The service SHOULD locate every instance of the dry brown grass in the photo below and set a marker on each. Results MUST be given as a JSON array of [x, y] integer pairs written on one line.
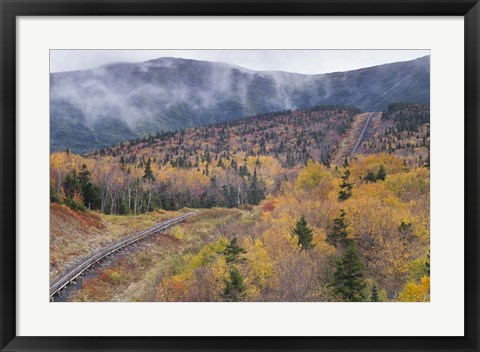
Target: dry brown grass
[[135, 276], [76, 234]]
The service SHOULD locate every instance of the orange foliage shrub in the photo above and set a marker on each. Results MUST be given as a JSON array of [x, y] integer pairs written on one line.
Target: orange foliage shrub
[[268, 207]]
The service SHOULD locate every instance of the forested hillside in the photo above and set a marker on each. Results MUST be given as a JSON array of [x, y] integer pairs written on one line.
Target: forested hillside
[[229, 165], [95, 108], [294, 226], [403, 130]]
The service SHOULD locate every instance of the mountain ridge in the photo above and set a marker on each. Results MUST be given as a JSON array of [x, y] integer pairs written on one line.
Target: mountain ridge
[[95, 108]]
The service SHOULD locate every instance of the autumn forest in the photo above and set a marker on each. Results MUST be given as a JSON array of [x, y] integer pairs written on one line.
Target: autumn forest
[[286, 207]]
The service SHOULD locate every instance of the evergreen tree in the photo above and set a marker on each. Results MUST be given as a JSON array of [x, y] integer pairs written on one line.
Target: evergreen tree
[[122, 163], [230, 196], [345, 187], [427, 265], [233, 251], [339, 235], [71, 185], [348, 281], [374, 296], [370, 176], [381, 173], [244, 171], [345, 163], [148, 173], [255, 193], [207, 156], [234, 289], [304, 234], [90, 192], [427, 162]]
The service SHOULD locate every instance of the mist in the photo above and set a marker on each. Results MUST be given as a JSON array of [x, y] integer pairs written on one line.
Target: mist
[[171, 94]]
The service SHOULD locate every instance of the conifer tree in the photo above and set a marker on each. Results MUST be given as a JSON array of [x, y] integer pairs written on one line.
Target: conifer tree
[[427, 162], [381, 173], [370, 176], [122, 163], [345, 187], [255, 193], [339, 235], [148, 173], [374, 296], [235, 288], [233, 251], [348, 281], [207, 157], [71, 185], [90, 192], [304, 234]]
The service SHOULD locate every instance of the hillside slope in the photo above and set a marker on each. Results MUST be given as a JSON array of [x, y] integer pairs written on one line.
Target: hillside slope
[[93, 109]]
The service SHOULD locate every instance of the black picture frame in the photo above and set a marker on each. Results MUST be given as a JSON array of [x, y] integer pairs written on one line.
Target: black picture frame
[[10, 9]]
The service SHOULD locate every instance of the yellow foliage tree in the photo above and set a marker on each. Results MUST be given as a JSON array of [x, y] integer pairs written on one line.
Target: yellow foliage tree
[[414, 292]]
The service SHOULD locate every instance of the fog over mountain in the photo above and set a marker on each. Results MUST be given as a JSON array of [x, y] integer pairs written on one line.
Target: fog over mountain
[[92, 109]]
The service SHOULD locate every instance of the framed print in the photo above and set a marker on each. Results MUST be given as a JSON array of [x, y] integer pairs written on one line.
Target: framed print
[[230, 175]]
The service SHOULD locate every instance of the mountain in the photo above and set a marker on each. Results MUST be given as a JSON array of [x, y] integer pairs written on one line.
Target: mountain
[[93, 109]]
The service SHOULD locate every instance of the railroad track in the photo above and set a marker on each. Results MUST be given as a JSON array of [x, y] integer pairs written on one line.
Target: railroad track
[[65, 279], [362, 134]]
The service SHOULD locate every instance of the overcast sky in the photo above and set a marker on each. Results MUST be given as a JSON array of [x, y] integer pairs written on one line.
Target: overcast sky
[[300, 61]]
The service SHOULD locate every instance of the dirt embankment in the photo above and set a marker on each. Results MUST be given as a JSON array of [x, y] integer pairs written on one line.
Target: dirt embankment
[[77, 234]]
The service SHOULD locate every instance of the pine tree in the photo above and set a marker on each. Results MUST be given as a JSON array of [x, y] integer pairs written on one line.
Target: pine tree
[[233, 251], [122, 163], [348, 281], [427, 265], [235, 288], [370, 176], [427, 162], [339, 235], [255, 193], [71, 185], [148, 173], [345, 163], [90, 192], [381, 173], [244, 171], [304, 234], [345, 187], [207, 156], [374, 296]]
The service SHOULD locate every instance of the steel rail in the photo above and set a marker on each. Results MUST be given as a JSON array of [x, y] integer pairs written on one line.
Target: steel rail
[[362, 134], [61, 282]]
